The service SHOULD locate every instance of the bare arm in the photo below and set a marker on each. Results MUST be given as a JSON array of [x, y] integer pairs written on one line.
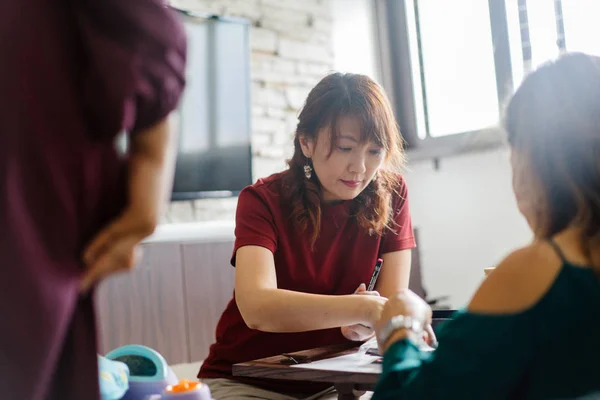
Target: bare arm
[[463, 359], [136, 51], [395, 273], [267, 308], [393, 277], [151, 166]]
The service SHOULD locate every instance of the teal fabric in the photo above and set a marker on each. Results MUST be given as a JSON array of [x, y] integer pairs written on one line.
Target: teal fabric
[[550, 351], [114, 378]]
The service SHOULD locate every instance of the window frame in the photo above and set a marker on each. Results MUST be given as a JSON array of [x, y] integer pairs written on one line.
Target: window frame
[[397, 78]]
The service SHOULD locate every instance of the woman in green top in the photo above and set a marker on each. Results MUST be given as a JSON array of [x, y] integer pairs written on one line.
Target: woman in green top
[[532, 330]]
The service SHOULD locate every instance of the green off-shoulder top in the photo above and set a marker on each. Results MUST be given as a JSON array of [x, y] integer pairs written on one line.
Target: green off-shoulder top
[[549, 351]]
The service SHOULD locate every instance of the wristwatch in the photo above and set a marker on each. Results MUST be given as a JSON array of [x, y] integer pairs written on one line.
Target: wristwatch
[[399, 322]]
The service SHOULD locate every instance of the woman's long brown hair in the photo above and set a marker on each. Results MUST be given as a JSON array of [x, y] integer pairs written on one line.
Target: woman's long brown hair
[[335, 96], [554, 120]]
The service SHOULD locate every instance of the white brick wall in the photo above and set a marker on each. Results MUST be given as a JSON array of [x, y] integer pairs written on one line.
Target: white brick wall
[[291, 44]]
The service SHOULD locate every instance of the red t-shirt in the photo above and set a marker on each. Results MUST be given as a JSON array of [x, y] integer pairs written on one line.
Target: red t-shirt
[[344, 256]]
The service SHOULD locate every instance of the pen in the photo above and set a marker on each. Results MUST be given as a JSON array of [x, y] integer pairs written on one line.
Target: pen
[[378, 265], [371, 286]]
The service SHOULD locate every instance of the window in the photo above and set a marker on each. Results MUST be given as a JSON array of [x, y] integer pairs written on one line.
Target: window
[[457, 72], [454, 64], [581, 26], [353, 39]]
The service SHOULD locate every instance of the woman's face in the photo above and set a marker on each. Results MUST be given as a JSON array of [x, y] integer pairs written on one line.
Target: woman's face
[[350, 167]]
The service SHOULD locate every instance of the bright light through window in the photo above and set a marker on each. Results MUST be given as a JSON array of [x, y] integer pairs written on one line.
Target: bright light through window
[[453, 60], [582, 30], [354, 37], [458, 62], [514, 39], [542, 30]]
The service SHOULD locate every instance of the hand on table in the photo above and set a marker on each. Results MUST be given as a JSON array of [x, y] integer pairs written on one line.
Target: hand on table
[[360, 332], [406, 303]]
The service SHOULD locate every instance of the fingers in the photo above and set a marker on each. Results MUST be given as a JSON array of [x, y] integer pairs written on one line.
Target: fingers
[[121, 227], [357, 332], [99, 244], [429, 336], [362, 331], [96, 272], [119, 258], [361, 288], [365, 293]]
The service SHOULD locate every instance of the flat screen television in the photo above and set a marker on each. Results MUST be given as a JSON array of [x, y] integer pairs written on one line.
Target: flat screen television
[[214, 157]]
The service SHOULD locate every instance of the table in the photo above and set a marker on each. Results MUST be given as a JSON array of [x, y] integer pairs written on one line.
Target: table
[[354, 373], [356, 370]]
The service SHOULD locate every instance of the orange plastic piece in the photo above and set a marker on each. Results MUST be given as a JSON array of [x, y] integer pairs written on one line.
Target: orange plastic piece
[[183, 386]]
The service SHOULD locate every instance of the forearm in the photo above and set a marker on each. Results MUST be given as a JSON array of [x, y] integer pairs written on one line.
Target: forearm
[[465, 365], [151, 164], [395, 274], [390, 288], [281, 310]]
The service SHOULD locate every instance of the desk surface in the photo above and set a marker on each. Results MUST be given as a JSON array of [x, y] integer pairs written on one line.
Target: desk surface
[[355, 367]]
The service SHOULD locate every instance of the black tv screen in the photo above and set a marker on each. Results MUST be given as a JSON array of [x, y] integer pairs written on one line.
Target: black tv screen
[[214, 155]]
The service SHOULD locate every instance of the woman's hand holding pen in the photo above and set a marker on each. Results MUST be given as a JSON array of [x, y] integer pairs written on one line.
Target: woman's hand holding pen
[[374, 305]]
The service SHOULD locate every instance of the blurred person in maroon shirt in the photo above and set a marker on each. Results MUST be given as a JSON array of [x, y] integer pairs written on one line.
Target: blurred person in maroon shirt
[[73, 74]]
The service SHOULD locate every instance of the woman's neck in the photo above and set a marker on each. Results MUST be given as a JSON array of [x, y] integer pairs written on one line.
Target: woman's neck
[[571, 243]]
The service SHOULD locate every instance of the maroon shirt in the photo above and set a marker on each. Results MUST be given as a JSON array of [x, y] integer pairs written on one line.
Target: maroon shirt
[[72, 75], [344, 257]]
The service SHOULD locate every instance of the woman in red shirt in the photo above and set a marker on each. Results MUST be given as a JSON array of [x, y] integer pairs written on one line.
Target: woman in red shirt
[[308, 237]]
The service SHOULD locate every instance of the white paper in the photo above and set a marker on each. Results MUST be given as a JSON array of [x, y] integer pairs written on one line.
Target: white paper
[[356, 362]]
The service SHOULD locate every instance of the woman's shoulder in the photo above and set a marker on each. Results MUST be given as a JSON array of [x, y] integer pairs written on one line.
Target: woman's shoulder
[[265, 194], [269, 186], [519, 282]]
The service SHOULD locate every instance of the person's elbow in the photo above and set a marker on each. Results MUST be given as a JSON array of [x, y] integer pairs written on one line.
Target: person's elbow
[[147, 226], [254, 312]]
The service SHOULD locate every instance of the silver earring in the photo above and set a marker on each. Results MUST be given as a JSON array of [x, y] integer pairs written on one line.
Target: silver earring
[[307, 169]]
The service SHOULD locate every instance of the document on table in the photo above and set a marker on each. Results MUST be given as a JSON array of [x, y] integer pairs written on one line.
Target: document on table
[[356, 362], [366, 360], [362, 361]]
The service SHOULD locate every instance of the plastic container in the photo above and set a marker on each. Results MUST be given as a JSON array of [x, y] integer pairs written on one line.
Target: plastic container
[[184, 390], [149, 373]]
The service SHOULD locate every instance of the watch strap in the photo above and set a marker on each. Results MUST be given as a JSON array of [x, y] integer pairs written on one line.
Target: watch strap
[[399, 322]]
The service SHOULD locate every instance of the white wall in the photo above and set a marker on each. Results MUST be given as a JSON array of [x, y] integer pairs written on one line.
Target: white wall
[[467, 219]]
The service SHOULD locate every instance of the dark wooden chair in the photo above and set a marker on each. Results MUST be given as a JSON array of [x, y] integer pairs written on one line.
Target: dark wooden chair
[[416, 279]]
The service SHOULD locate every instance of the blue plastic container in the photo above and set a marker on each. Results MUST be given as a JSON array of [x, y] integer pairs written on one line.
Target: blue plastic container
[[149, 373]]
